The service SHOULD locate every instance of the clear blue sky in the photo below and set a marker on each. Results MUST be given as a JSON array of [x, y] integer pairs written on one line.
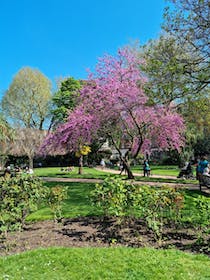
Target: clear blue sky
[[64, 38]]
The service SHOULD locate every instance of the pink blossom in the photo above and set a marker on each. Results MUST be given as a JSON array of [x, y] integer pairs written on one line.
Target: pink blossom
[[113, 104]]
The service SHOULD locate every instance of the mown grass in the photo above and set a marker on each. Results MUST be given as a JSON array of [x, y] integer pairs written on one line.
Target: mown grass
[[88, 173], [104, 263], [92, 173], [77, 204], [167, 170]]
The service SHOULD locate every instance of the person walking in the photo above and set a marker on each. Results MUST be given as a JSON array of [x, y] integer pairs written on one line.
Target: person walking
[[146, 168], [102, 163]]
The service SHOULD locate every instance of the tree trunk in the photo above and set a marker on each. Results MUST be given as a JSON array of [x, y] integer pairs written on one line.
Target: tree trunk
[[31, 163], [80, 164], [124, 159], [127, 168], [130, 174]]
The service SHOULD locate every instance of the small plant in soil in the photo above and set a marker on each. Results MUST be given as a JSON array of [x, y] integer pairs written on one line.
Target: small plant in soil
[[55, 198]]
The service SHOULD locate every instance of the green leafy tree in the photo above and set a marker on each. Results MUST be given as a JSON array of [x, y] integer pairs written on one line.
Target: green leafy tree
[[27, 101], [64, 100], [188, 22], [196, 112], [165, 69]]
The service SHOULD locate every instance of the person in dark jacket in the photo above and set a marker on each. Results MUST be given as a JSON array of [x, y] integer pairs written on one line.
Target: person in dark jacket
[[146, 168]]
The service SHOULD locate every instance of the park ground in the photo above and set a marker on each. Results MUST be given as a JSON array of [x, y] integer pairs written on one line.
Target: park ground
[[94, 231]]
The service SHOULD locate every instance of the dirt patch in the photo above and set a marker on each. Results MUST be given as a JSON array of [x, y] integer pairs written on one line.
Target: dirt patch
[[92, 231]]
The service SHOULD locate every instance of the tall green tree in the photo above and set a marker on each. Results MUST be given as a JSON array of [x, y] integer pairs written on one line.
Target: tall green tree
[[27, 101], [188, 22], [196, 113], [64, 100], [164, 68]]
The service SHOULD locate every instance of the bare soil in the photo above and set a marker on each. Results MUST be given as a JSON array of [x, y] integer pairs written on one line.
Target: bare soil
[[97, 232]]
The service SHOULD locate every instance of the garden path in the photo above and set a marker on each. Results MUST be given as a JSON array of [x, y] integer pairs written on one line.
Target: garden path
[[82, 180], [140, 174]]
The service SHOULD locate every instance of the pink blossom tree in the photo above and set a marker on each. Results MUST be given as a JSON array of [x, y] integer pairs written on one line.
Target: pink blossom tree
[[113, 104], [73, 135]]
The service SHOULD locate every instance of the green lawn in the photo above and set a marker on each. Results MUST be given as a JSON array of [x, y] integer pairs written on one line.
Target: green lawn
[[104, 264], [93, 173], [167, 170], [88, 173], [77, 204]]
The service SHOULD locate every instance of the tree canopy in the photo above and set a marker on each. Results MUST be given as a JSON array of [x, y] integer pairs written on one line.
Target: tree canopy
[[113, 105], [26, 102], [64, 100], [188, 22], [165, 69], [177, 65]]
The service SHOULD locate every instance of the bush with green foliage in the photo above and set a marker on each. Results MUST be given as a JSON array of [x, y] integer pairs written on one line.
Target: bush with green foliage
[[201, 217], [19, 197], [112, 197], [157, 206]]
